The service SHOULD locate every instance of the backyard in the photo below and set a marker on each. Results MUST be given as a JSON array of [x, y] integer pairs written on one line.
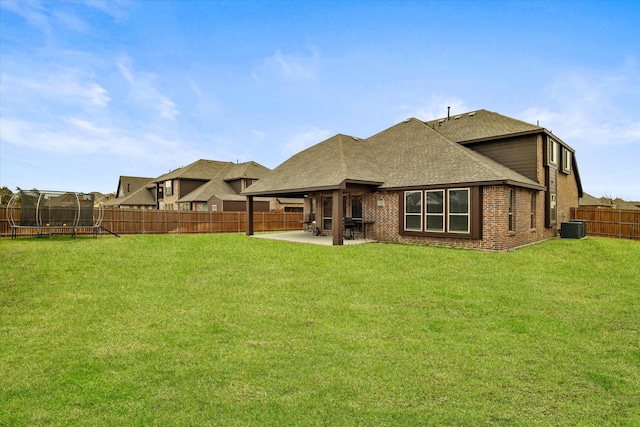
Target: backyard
[[224, 329]]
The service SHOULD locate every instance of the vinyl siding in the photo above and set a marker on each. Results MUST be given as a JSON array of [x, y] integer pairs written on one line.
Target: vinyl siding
[[518, 154]]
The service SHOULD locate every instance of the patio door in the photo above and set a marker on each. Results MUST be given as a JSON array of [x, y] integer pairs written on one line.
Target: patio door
[[356, 210], [327, 207]]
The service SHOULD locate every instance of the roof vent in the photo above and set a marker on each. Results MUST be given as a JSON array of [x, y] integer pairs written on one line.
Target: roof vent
[[471, 114], [355, 139], [456, 117]]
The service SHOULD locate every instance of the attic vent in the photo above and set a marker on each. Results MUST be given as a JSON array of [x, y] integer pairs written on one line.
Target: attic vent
[[472, 114], [456, 117], [356, 139], [440, 122]]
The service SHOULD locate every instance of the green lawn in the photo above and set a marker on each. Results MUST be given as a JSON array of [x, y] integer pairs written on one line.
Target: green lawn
[[229, 330]]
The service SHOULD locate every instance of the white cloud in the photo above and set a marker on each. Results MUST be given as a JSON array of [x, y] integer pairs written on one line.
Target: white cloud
[[290, 66], [592, 106], [142, 87], [61, 86]]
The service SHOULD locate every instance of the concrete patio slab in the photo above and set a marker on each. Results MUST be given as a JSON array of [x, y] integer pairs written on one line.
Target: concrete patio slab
[[307, 237]]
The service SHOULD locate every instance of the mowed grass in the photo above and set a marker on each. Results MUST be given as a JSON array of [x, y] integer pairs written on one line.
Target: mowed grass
[[230, 330]]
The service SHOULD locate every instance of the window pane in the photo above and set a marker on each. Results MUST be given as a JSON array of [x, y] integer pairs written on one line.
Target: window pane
[[412, 222], [413, 202], [326, 224], [459, 223], [458, 201], [435, 201], [435, 223]]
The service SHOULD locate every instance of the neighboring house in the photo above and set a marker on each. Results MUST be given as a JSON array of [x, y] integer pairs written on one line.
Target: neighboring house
[[134, 192], [477, 180], [209, 185], [587, 200]]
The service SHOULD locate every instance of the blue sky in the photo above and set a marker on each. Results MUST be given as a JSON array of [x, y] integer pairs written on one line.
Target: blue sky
[[91, 90]]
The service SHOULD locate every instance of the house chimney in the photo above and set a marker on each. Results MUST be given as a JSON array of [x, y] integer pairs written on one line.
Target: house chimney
[[448, 112]]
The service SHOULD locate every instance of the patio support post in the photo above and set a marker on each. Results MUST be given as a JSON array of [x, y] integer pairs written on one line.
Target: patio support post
[[249, 215], [336, 215]]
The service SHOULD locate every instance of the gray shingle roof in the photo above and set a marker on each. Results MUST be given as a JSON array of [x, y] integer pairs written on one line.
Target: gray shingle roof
[[408, 154], [200, 170], [415, 155], [141, 197], [479, 125], [327, 164]]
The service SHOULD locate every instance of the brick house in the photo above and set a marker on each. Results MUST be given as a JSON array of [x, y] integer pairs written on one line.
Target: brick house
[[477, 180], [210, 185], [134, 192]]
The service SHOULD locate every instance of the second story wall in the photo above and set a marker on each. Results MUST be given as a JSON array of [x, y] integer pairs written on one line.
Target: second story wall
[[517, 153]]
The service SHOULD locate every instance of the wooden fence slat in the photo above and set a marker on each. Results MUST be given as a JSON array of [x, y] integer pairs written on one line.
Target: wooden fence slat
[[606, 222], [618, 223], [151, 221]]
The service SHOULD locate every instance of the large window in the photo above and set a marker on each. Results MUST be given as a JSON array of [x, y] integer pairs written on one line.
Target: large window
[[413, 210], [168, 189], [438, 211], [552, 208]]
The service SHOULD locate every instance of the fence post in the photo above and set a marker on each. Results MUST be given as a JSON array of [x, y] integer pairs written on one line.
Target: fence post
[[143, 220]]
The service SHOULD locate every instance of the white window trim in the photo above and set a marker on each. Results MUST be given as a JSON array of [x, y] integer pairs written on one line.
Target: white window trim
[[419, 214], [567, 161], [441, 215], [553, 152]]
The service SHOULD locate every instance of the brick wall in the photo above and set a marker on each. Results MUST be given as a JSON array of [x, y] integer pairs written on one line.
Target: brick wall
[[495, 223]]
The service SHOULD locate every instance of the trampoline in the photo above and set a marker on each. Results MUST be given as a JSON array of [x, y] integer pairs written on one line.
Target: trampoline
[[51, 212]]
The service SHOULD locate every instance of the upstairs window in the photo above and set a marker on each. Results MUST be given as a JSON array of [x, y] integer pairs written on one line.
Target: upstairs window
[[168, 189], [553, 151], [566, 161]]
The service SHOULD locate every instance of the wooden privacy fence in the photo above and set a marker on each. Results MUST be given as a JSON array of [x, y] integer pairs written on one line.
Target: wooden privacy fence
[[620, 223], [149, 221]]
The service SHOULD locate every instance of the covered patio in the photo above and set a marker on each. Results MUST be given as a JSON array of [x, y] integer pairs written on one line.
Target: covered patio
[[307, 237]]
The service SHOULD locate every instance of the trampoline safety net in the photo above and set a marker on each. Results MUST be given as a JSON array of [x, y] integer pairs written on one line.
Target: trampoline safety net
[[56, 208]]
